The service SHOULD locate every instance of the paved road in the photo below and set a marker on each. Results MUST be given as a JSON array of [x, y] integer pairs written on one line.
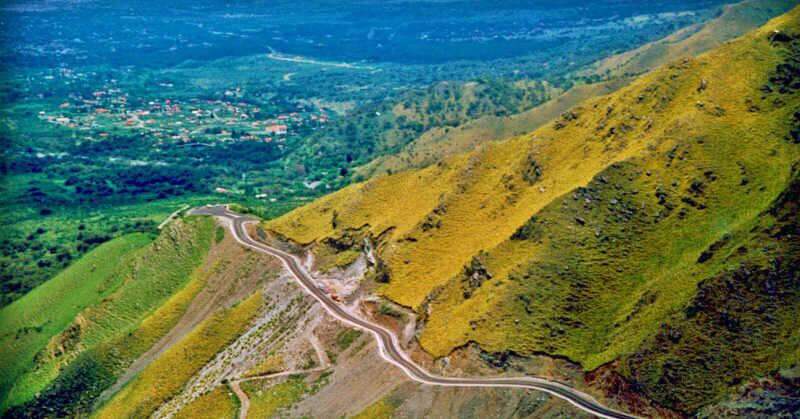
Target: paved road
[[388, 342]]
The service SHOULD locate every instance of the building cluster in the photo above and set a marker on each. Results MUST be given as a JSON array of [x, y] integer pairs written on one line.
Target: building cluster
[[110, 110]]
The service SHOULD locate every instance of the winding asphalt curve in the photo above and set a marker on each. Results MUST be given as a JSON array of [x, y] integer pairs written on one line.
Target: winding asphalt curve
[[388, 342]]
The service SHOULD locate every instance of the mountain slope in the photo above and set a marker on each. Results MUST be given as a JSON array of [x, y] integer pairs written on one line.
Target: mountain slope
[[98, 314], [386, 126], [734, 20], [29, 323], [438, 143], [581, 239]]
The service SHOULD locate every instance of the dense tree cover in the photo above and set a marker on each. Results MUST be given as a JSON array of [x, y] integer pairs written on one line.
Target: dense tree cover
[[387, 126], [97, 175]]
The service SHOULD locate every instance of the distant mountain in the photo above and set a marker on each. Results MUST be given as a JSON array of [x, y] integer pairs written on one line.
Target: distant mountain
[[734, 20], [651, 234], [614, 72]]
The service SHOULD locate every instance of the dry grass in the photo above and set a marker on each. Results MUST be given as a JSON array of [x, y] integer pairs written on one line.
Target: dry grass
[[217, 404], [660, 258], [165, 377], [633, 188], [267, 400], [269, 365], [382, 409]]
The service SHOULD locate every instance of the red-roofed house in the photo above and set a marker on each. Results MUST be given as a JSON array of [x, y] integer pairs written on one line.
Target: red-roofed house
[[276, 129]]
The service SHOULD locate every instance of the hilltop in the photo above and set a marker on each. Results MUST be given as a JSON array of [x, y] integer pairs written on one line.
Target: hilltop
[[645, 232]]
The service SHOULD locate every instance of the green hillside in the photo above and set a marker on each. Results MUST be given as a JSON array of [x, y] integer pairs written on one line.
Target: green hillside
[[29, 323], [637, 227], [167, 375], [85, 318]]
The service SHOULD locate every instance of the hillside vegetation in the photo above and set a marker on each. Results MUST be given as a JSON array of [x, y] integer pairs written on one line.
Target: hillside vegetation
[[218, 403], [640, 227], [603, 77], [734, 20], [438, 143], [93, 148], [167, 375], [29, 323], [70, 337], [385, 127]]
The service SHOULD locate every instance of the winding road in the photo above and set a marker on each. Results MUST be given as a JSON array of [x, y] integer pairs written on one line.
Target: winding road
[[388, 342]]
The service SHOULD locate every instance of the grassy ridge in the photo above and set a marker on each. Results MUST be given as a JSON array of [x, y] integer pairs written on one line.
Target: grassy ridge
[[440, 142], [119, 326], [28, 324], [582, 238], [130, 346], [37, 247], [594, 275], [167, 268], [734, 21]]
